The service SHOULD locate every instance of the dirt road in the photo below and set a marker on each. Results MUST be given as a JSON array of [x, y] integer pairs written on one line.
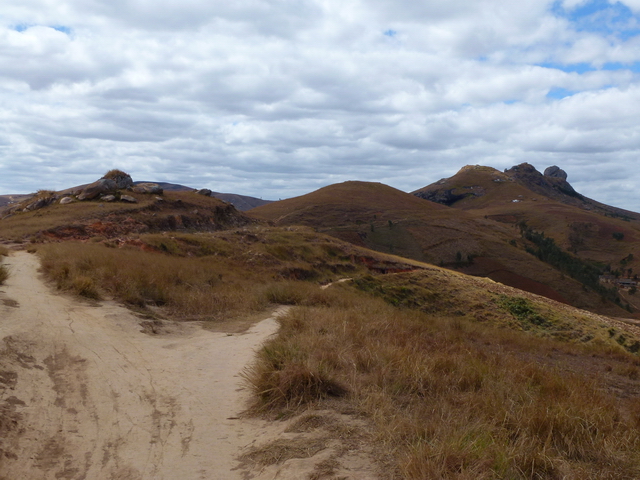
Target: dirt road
[[85, 394]]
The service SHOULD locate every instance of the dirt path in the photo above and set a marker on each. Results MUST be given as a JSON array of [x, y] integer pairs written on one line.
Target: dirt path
[[85, 394]]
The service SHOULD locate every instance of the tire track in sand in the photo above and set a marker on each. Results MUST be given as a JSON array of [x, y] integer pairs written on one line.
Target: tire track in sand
[[94, 397]]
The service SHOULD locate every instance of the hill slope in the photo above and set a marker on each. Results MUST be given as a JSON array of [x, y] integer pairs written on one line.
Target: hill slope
[[588, 229], [385, 219]]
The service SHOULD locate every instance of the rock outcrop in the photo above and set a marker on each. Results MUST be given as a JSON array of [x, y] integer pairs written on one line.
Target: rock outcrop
[[555, 172], [153, 188], [104, 186], [40, 203], [122, 180]]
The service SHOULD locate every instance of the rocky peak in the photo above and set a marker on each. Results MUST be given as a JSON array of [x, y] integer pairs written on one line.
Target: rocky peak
[[555, 172]]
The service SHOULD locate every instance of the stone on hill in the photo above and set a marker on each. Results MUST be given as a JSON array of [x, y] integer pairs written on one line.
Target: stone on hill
[[66, 200], [103, 186], [153, 188], [128, 199], [555, 172], [108, 198], [40, 203], [204, 191], [122, 180]]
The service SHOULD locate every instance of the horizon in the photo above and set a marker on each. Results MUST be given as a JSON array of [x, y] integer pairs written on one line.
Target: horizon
[[541, 171], [278, 99]]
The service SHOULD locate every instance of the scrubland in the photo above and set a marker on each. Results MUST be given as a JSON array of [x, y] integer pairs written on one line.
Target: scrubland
[[452, 398], [197, 276], [457, 377]]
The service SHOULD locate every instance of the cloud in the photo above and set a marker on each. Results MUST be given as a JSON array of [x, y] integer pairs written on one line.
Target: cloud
[[274, 99]]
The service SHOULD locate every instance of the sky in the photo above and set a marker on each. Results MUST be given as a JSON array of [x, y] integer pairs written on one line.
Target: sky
[[277, 98]]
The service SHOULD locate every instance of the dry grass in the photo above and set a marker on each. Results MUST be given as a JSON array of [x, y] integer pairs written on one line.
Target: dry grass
[[114, 173], [387, 220], [177, 211], [4, 274], [450, 398], [4, 271], [203, 276], [282, 450], [189, 288], [26, 225]]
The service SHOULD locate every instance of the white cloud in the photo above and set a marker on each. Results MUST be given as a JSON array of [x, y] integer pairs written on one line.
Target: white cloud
[[275, 99]]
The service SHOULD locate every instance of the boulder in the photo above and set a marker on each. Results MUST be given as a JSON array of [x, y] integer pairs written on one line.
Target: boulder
[[40, 203], [153, 188], [66, 200], [108, 198], [128, 199], [555, 172], [122, 180], [104, 186], [204, 191]]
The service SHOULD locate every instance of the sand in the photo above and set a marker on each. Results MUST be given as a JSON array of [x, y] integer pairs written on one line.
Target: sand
[[87, 394]]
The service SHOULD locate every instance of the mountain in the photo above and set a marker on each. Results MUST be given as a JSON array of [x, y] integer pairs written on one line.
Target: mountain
[[475, 186], [521, 195], [382, 218]]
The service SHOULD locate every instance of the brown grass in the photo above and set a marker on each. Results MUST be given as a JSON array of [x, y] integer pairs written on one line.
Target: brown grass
[[379, 217], [282, 450], [451, 398], [177, 211], [114, 173], [203, 276], [189, 288]]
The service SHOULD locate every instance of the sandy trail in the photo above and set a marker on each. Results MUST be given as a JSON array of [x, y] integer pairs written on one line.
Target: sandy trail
[[98, 399]]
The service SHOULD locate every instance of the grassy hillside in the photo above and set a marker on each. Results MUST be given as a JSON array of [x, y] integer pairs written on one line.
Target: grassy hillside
[[454, 376], [382, 218], [591, 231], [579, 225], [83, 220], [207, 276], [461, 378]]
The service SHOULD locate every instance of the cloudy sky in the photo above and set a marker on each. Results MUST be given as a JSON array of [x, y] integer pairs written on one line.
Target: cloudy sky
[[276, 98]]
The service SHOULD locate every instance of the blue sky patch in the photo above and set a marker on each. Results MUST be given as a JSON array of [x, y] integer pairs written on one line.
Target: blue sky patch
[[390, 33], [601, 16], [634, 67], [569, 68], [62, 28], [559, 93], [21, 27]]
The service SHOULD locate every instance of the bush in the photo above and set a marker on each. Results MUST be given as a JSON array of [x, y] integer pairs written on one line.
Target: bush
[[618, 235]]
